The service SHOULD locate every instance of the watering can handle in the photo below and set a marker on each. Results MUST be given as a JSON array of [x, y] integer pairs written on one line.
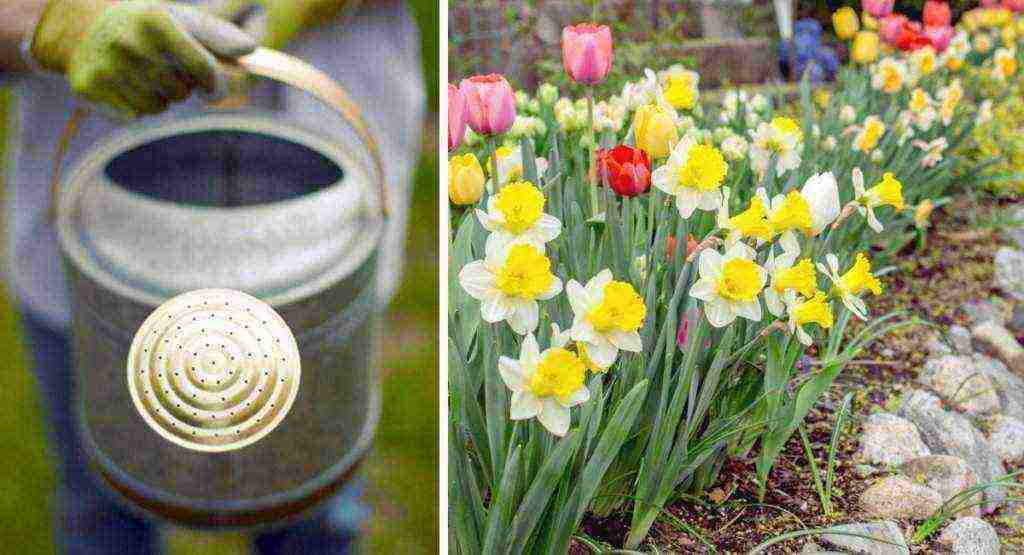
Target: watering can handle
[[278, 66]]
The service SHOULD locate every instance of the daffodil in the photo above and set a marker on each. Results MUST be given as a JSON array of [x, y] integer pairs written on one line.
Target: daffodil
[[509, 281], [729, 285], [949, 98], [923, 61], [517, 212], [869, 134], [681, 92], [752, 222], [787, 275], [933, 151], [855, 282], [889, 75], [810, 210], [888, 191], [544, 385], [1005, 61], [923, 213], [560, 338], [803, 311], [781, 138], [693, 174], [607, 315]]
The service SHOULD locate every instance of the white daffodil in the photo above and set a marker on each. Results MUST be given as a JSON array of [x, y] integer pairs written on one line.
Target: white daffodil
[[509, 281], [729, 285], [803, 311], [889, 75], [780, 138], [933, 151], [693, 174], [607, 315], [544, 385], [517, 213], [849, 286], [888, 191], [787, 275]]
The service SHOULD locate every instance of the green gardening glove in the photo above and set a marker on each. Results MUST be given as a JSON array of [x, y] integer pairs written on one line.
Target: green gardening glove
[[137, 56], [275, 23]]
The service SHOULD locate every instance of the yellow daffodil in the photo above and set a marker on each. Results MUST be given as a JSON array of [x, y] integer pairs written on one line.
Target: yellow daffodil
[[923, 61], [889, 75], [845, 22], [752, 222], [871, 132], [1005, 61], [607, 315], [544, 385], [654, 127], [949, 100], [693, 174], [810, 210], [465, 179], [811, 309], [729, 285], [865, 47], [923, 213], [681, 92], [509, 282], [516, 212], [888, 191], [787, 275], [982, 43], [856, 281]]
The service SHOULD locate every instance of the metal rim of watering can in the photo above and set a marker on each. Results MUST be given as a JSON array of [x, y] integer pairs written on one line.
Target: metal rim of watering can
[[270, 64]]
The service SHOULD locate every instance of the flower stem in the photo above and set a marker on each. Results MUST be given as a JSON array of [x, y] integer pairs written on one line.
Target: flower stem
[[493, 148], [592, 171]]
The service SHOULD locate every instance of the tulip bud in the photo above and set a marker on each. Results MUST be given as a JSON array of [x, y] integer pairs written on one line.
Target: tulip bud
[[587, 52], [465, 179], [940, 37], [655, 130], [490, 104], [865, 47], [845, 22], [625, 169], [456, 117], [878, 8], [936, 14], [890, 27]]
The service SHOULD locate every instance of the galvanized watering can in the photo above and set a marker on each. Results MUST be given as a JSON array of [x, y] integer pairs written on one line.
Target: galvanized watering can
[[222, 408]]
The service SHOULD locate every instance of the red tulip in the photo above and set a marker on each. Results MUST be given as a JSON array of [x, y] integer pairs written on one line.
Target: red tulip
[[877, 8], [626, 169], [456, 117], [490, 104], [911, 37], [1014, 5], [940, 36], [936, 14], [889, 27], [587, 52]]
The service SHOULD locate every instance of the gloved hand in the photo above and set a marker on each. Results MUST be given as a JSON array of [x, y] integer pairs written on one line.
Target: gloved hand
[[137, 56], [275, 23]]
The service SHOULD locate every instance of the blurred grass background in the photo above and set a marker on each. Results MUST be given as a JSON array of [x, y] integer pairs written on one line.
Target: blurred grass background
[[403, 468]]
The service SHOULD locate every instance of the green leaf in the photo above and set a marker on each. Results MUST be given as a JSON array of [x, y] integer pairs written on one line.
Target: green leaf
[[543, 486]]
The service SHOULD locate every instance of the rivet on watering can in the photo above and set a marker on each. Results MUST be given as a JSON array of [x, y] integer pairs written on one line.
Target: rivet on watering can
[[193, 373]]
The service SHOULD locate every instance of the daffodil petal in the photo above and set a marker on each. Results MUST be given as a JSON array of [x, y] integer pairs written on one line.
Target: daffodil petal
[[554, 417], [476, 280], [512, 373], [524, 405], [626, 340]]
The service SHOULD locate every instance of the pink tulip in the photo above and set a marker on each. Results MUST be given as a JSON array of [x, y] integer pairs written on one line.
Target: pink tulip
[[891, 26], [1014, 5], [587, 52], [936, 14], [490, 104], [989, 3], [940, 36], [878, 8], [456, 117]]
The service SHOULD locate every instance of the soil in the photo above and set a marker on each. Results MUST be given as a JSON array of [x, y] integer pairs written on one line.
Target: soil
[[954, 267]]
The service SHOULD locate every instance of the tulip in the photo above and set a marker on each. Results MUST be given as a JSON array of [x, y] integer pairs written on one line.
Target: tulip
[[655, 130], [989, 3], [465, 179], [1014, 5], [889, 27], [490, 104], [456, 117], [587, 52], [845, 22], [910, 37], [940, 37], [626, 169], [936, 14], [865, 47], [877, 8]]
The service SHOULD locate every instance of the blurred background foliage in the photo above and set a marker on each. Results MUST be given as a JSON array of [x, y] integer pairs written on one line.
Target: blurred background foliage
[[403, 469]]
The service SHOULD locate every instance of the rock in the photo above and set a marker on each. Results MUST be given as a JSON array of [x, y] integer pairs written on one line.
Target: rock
[[979, 311], [960, 339], [956, 380], [866, 470], [1006, 436], [997, 341], [900, 497], [970, 536], [947, 475], [1016, 232], [1009, 272], [811, 548], [887, 531], [937, 346], [889, 440], [1009, 386], [949, 433], [1016, 322]]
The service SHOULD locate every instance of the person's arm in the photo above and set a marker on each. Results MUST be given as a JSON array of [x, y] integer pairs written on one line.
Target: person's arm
[[17, 19]]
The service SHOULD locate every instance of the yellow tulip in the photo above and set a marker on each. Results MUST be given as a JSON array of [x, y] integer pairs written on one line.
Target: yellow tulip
[[465, 179], [655, 130], [845, 22], [865, 47]]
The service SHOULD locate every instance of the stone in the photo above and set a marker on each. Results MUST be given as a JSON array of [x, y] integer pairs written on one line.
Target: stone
[[949, 433], [970, 535], [1006, 436], [811, 548], [1016, 232], [892, 542], [865, 470], [890, 440], [1016, 322], [956, 380], [900, 497], [937, 346], [960, 339], [947, 475], [995, 340], [1009, 386], [979, 311], [1009, 272]]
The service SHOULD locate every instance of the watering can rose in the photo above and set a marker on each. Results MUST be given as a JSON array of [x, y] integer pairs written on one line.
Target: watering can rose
[[625, 169], [490, 104], [587, 52]]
